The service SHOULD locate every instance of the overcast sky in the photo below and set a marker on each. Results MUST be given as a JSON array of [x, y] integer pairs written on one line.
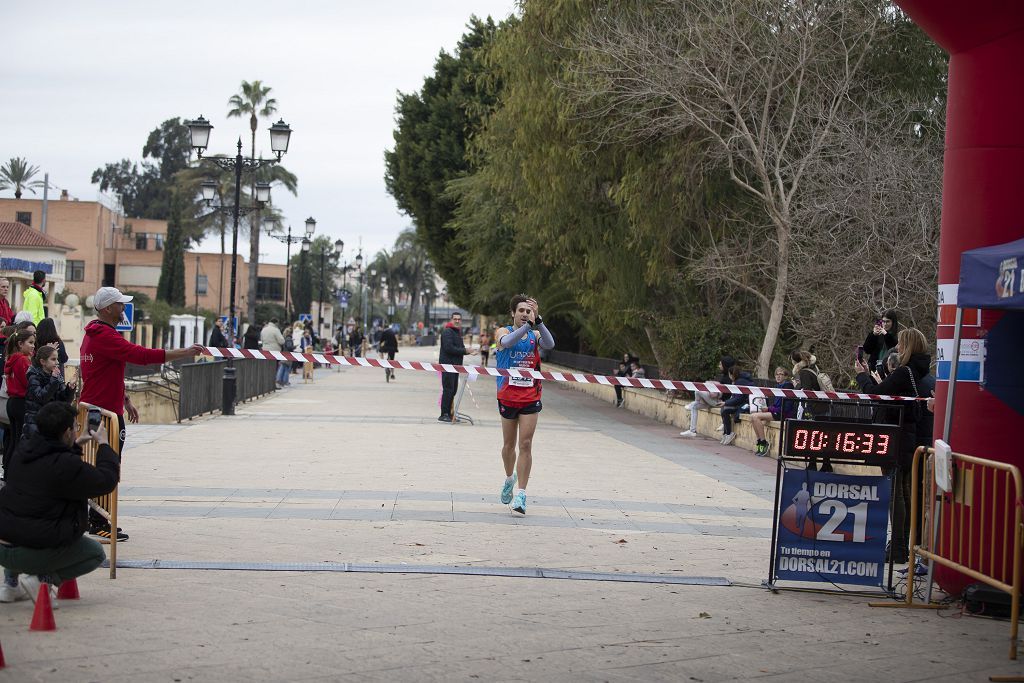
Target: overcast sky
[[84, 82]]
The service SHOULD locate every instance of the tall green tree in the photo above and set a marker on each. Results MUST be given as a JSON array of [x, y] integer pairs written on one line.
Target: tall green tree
[[145, 190], [18, 173], [306, 281], [253, 100], [171, 286], [434, 126]]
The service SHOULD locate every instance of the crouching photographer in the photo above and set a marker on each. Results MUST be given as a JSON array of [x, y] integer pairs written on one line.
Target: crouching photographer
[[44, 505]]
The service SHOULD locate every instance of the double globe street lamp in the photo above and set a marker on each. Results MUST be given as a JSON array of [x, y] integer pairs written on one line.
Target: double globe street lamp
[[339, 247], [199, 136], [271, 225]]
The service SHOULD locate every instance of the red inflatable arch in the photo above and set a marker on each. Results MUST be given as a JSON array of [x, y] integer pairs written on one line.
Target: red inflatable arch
[[982, 193]]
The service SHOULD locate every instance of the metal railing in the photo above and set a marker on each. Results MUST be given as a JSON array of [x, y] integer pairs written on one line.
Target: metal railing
[[202, 384], [986, 495]]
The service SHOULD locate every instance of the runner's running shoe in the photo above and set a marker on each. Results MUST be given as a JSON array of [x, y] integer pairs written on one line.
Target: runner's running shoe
[[506, 490], [519, 503]]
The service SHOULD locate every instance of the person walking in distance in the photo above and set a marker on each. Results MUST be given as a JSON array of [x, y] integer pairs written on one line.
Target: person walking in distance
[[485, 347], [105, 353], [388, 347], [273, 340], [519, 401], [452, 352]]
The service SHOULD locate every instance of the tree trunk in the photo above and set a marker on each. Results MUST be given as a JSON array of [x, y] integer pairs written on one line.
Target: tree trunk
[[771, 332], [254, 264], [254, 239], [220, 282], [653, 341]]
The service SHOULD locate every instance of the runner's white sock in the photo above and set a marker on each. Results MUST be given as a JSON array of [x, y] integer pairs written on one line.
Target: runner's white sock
[[509, 479], [522, 491]]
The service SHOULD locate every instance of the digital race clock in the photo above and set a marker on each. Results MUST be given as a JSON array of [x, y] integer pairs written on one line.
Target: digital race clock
[[842, 440]]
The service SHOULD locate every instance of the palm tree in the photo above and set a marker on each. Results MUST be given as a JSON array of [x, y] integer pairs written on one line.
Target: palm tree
[[17, 173], [253, 99]]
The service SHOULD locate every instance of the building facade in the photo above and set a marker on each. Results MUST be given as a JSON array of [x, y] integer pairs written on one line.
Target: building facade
[[89, 245]]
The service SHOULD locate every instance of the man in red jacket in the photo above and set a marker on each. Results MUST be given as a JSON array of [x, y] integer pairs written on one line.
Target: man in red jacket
[[104, 354]]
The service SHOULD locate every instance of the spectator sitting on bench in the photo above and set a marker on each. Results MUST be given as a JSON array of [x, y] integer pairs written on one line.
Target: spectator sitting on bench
[[805, 376], [637, 370], [735, 404], [708, 399], [761, 418], [43, 507]]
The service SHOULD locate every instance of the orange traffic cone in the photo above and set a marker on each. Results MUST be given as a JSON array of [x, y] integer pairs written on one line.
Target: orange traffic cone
[[68, 590], [42, 618]]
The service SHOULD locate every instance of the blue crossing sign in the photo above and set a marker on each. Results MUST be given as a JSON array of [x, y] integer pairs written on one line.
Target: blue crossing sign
[[127, 323]]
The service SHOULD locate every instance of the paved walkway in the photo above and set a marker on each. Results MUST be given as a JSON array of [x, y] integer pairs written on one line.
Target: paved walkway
[[422, 572]]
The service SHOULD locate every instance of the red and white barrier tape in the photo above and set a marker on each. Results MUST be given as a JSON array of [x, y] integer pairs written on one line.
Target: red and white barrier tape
[[608, 380]]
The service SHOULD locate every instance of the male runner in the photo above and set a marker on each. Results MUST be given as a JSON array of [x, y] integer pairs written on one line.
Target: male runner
[[519, 397]]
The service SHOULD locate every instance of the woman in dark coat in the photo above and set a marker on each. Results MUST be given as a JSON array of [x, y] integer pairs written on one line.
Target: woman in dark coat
[[881, 341], [251, 338], [46, 334], [905, 380]]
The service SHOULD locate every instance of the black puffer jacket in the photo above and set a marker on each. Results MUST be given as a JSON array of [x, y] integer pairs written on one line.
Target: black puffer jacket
[[877, 344], [388, 341], [43, 504], [43, 388], [899, 383], [453, 350]]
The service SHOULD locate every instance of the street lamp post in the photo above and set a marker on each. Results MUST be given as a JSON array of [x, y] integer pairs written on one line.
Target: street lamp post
[[339, 245], [199, 134], [289, 240]]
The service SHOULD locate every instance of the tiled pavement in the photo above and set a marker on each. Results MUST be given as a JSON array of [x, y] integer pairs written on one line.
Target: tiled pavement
[[352, 470]]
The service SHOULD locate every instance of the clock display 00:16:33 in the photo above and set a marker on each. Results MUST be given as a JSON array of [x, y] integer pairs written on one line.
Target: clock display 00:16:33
[[843, 441]]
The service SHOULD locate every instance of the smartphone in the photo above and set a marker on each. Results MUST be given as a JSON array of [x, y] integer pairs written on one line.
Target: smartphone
[[95, 417], [860, 354]]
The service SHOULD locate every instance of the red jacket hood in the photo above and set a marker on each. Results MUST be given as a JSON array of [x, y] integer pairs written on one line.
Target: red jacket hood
[[97, 326]]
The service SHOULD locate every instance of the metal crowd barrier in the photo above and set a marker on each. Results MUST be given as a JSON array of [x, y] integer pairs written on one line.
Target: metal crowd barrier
[[202, 384], [986, 495], [105, 505]]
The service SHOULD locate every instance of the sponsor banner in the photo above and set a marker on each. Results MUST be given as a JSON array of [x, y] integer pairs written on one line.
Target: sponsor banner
[[972, 360], [832, 528], [947, 308]]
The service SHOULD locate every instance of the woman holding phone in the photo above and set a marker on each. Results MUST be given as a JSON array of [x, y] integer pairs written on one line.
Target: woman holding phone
[[881, 340]]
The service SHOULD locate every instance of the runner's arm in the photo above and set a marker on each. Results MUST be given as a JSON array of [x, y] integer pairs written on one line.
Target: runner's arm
[[509, 339], [546, 340]]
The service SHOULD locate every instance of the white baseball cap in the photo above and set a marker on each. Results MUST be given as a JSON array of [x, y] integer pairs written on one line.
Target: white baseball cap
[[108, 295]]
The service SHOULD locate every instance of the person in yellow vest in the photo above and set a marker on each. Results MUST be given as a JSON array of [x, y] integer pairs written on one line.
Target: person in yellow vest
[[34, 297]]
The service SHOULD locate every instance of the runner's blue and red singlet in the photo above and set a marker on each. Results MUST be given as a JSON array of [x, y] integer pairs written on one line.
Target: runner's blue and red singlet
[[514, 391]]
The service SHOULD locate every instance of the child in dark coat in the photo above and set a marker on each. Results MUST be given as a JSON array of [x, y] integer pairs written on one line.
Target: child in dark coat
[[45, 385]]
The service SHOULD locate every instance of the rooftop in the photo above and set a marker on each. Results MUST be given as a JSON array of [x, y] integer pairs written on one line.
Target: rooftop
[[14, 234]]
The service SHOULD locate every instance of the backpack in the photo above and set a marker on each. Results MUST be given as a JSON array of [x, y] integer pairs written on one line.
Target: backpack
[[824, 381], [289, 344]]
